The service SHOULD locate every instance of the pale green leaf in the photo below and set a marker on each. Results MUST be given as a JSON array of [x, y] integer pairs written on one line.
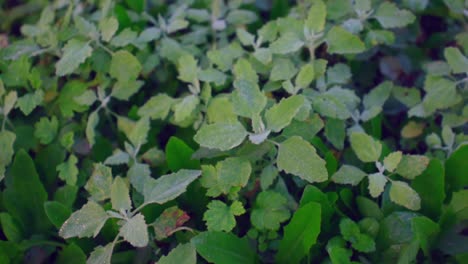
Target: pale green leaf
[[46, 130], [411, 166], [348, 174], [124, 66], [367, 149], [448, 136], [182, 254], [441, 93], [335, 132], [7, 140], [138, 174], [316, 17], [93, 120], [28, 102], [87, 98], [138, 135], [269, 211], [401, 193], [75, 52], [378, 95], [124, 38], [168, 187], [267, 177], [99, 184], [362, 6], [220, 217], [281, 114], [245, 37], [222, 136], [86, 222], [9, 102], [389, 16], [86, 28], [298, 157], [187, 67], [457, 61], [340, 41], [287, 43], [220, 109], [117, 158], [231, 173], [305, 76], [340, 73], [186, 108], [122, 90], [392, 160], [283, 69], [108, 28], [135, 231], [101, 255], [120, 197], [68, 170], [157, 107], [377, 183], [247, 98]]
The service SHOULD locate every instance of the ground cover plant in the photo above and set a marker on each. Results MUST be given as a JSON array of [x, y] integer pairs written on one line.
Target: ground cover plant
[[242, 131]]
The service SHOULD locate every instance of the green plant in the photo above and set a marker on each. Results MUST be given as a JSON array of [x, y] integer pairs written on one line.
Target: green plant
[[234, 131]]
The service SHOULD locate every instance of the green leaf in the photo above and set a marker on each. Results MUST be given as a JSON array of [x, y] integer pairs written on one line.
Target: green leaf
[[281, 114], [11, 228], [182, 254], [135, 231], [101, 255], [340, 41], [186, 109], [71, 254], [86, 28], [366, 148], [305, 76], [139, 133], [338, 74], [298, 157], [123, 90], [456, 168], [368, 208], [283, 69], [168, 187], [287, 43], [108, 28], [124, 38], [57, 212], [245, 37], [247, 98], [28, 102], [389, 16], [75, 52], [377, 183], [362, 6], [269, 211], [25, 195], [364, 243], [222, 136], [335, 132], [348, 174], [118, 158], [220, 109], [224, 248], [124, 66], [220, 217], [401, 193], [9, 102], [120, 197], [91, 124], [411, 166], [86, 222], [268, 176], [99, 184], [243, 70], [316, 17], [157, 107], [457, 61], [426, 232], [392, 160], [441, 93], [378, 95], [351, 232], [69, 92], [46, 130], [300, 234], [179, 155], [231, 173], [187, 67], [68, 170], [7, 140]]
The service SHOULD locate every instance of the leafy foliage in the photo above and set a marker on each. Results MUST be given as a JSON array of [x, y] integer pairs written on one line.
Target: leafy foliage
[[233, 131]]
